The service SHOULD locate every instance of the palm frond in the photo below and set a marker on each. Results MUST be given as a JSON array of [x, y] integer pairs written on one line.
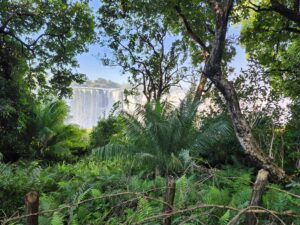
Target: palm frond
[[111, 151], [213, 134], [158, 133]]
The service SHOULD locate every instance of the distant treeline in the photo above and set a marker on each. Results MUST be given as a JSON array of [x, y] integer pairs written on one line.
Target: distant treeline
[[100, 82]]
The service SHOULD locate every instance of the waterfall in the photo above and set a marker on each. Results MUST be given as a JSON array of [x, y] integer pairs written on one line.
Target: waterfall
[[89, 104]]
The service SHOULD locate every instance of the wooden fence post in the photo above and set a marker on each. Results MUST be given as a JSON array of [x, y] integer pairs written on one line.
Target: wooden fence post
[[257, 192], [169, 199], [32, 206]]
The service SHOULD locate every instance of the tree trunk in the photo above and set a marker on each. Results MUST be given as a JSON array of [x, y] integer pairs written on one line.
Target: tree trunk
[[32, 206], [169, 199], [157, 172], [243, 131], [200, 88], [257, 192], [297, 165], [213, 71]]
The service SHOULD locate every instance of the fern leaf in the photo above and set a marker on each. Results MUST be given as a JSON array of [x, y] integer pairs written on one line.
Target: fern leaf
[[57, 219]]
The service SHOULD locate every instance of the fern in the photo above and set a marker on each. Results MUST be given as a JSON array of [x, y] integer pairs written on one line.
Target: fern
[[143, 210], [216, 196], [181, 191], [57, 219], [74, 221], [224, 220], [81, 194], [95, 193], [48, 202], [5, 170], [277, 201]]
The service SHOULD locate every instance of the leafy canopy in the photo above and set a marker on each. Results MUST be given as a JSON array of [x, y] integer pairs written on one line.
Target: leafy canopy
[[151, 55], [274, 41], [48, 35]]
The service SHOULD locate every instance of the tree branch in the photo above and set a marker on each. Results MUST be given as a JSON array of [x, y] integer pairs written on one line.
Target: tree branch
[[292, 29], [189, 29], [257, 8], [296, 5], [293, 15]]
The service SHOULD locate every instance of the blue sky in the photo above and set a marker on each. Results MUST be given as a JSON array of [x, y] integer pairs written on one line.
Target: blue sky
[[90, 63]]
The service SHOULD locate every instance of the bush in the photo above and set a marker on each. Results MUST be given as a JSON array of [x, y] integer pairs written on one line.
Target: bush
[[107, 130], [51, 138]]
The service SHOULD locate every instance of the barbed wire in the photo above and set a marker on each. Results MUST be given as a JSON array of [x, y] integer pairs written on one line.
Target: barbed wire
[[250, 209]]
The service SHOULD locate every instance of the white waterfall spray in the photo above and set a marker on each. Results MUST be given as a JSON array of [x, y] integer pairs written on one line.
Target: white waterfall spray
[[88, 104]]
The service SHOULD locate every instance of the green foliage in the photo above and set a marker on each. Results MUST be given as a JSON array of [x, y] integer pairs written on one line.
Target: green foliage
[[280, 201], [60, 185], [69, 184], [158, 139], [16, 104], [217, 143], [39, 42], [47, 35], [57, 219], [43, 134], [182, 189], [290, 138], [51, 138], [15, 182], [161, 137], [143, 210], [165, 139], [107, 131], [156, 135], [270, 39]]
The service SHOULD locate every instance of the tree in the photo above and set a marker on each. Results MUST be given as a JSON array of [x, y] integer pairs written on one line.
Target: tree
[[146, 51], [258, 97], [214, 70], [161, 138], [215, 16], [47, 35], [288, 9], [16, 104], [38, 44], [272, 38]]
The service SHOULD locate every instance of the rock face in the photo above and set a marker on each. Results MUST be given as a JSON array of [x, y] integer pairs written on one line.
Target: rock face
[[88, 104]]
